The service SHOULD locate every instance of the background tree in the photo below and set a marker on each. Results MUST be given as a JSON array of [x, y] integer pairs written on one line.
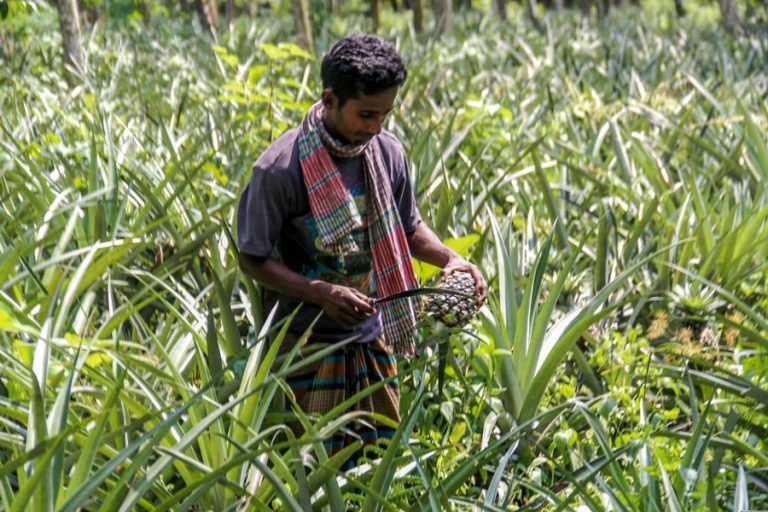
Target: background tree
[[533, 13], [680, 8], [418, 15], [375, 9], [69, 24], [729, 13], [585, 8], [209, 14], [500, 6], [146, 12], [443, 14], [302, 23]]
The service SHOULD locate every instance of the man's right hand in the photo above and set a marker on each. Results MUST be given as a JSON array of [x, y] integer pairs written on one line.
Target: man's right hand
[[346, 305]]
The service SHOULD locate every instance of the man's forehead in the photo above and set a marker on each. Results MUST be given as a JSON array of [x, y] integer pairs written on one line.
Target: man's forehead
[[384, 100]]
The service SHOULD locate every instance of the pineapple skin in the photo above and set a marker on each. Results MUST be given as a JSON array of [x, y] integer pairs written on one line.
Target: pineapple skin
[[452, 310]]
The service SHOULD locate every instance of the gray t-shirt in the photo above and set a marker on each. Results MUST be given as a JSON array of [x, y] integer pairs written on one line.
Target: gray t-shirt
[[274, 220]]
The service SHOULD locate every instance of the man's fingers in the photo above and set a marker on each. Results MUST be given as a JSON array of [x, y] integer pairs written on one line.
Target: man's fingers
[[347, 305], [347, 315], [362, 304], [355, 310], [483, 292], [480, 285], [363, 297]]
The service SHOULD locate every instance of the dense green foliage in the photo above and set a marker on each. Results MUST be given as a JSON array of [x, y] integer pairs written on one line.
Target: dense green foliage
[[611, 181]]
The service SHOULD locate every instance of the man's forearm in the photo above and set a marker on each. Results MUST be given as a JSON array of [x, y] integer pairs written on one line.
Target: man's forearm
[[342, 303], [276, 276], [426, 246]]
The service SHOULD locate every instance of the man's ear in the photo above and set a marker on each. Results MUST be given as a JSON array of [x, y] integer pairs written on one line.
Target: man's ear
[[329, 98]]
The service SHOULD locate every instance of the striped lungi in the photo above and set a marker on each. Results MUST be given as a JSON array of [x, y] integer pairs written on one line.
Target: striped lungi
[[340, 375]]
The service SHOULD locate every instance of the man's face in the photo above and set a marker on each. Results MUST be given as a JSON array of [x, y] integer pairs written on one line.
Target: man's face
[[359, 119]]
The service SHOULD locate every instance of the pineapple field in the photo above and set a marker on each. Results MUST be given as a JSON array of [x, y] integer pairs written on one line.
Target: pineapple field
[[608, 176]]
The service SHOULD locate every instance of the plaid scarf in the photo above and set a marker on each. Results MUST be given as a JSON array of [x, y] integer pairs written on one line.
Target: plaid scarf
[[336, 215]]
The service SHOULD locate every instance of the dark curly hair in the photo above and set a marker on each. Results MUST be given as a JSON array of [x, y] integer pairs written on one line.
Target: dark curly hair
[[362, 64]]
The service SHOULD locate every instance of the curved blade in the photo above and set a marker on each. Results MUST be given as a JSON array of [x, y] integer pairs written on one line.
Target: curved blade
[[420, 291]]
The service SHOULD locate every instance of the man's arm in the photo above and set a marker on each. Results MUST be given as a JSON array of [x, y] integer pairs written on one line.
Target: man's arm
[[426, 246], [343, 304]]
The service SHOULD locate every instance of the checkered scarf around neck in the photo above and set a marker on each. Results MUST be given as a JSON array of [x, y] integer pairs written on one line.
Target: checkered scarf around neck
[[336, 215]]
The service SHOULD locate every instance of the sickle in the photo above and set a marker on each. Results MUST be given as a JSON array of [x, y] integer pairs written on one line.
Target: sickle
[[420, 291]]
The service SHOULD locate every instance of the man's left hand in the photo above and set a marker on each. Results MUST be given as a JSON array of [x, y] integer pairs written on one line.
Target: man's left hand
[[462, 265]]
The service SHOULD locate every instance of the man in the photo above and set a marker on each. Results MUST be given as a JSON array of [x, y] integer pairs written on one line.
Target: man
[[329, 220]]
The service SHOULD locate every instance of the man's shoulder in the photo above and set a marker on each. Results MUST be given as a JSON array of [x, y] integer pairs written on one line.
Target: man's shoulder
[[390, 143], [281, 155], [393, 155]]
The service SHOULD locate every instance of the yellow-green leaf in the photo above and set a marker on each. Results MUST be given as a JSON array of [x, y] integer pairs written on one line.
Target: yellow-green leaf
[[462, 245]]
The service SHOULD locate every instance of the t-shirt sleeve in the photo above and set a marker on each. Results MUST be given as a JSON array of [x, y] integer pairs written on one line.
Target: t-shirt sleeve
[[402, 190], [260, 213]]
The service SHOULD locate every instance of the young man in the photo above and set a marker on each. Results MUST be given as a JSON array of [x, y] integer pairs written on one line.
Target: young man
[[329, 220]]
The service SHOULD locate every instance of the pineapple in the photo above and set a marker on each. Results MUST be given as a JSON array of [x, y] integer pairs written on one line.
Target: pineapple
[[454, 310]]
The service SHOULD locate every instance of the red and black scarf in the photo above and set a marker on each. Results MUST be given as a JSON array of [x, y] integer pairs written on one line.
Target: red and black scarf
[[336, 215]]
